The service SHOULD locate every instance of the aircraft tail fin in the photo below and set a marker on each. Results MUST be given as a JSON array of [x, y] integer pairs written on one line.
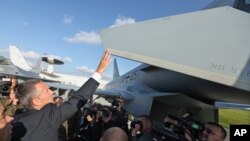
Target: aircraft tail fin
[[115, 70], [17, 58]]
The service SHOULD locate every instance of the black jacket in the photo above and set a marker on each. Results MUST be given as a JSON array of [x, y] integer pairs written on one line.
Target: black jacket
[[43, 124]]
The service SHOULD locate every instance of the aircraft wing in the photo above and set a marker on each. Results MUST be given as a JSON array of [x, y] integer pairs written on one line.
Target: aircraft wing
[[142, 100], [136, 103], [11, 70], [114, 94], [21, 70], [210, 44]]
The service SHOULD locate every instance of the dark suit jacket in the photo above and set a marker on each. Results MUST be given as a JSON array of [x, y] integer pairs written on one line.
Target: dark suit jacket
[[43, 124]]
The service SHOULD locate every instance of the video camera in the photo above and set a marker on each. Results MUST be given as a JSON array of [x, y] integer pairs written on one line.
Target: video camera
[[5, 84], [115, 103], [186, 122], [133, 123], [105, 113]]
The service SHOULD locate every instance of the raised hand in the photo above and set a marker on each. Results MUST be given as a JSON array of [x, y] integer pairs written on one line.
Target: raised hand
[[104, 63]]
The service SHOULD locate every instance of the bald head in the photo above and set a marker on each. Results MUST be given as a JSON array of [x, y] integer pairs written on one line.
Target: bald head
[[115, 134]]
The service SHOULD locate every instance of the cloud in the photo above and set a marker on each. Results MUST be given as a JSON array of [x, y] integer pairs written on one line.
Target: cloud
[[31, 55], [89, 71], [84, 37], [121, 20], [107, 77], [53, 56], [4, 50], [31, 63], [68, 19], [23, 23], [93, 37], [68, 59], [85, 69]]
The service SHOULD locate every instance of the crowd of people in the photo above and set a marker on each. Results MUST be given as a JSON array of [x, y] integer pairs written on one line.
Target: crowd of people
[[31, 112]]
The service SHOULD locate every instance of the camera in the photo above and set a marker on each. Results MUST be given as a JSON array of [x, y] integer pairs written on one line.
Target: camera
[[105, 113], [133, 123], [91, 113], [116, 103], [5, 84], [186, 123]]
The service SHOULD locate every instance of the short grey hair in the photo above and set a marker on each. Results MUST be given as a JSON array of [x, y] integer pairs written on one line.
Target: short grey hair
[[115, 134], [26, 91]]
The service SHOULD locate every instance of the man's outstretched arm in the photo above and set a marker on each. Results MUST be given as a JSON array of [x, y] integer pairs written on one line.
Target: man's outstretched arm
[[103, 65]]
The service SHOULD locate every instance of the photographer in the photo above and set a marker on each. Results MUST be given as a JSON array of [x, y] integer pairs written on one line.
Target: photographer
[[144, 125], [191, 130], [4, 126], [106, 115], [119, 115], [213, 132], [8, 99], [91, 131]]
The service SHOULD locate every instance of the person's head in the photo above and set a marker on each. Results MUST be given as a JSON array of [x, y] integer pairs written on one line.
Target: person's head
[[146, 123], [213, 132], [97, 106], [14, 81], [114, 134], [58, 100], [34, 93], [91, 115], [5, 131], [106, 115], [70, 93]]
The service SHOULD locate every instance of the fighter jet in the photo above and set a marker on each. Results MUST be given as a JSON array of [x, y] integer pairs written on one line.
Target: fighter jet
[[190, 61], [7, 68]]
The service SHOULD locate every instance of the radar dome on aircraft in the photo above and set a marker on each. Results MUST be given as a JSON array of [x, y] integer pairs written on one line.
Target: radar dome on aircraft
[[51, 60]]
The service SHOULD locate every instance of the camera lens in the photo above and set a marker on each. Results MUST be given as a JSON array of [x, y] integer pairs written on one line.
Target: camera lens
[[5, 88], [115, 103], [132, 125]]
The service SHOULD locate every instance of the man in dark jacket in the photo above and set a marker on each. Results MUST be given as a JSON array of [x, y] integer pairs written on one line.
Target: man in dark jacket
[[41, 120]]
